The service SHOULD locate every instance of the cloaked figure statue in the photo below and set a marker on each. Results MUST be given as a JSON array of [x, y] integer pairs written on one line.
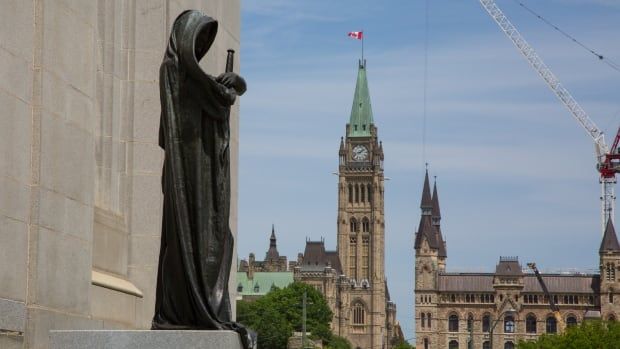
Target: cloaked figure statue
[[196, 241]]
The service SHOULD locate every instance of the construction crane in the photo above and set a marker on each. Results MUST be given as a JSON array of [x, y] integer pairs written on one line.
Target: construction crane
[[607, 160], [554, 307]]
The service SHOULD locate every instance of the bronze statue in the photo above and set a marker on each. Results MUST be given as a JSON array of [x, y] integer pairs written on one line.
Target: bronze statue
[[196, 242]]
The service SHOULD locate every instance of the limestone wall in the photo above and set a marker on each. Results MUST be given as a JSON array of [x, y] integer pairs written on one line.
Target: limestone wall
[[80, 193]]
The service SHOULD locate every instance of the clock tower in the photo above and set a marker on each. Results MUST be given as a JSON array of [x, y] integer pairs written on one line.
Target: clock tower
[[361, 223]]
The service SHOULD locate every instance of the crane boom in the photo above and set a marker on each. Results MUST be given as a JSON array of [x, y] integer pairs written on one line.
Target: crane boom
[[539, 65], [606, 162], [554, 307]]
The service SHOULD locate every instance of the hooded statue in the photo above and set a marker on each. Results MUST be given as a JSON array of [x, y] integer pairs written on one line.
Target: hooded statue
[[196, 241]]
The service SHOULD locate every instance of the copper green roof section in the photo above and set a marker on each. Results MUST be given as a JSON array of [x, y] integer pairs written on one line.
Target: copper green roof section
[[361, 111], [262, 282]]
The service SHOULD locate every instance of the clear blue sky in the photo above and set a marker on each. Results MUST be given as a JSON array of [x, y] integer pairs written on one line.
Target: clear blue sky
[[515, 171]]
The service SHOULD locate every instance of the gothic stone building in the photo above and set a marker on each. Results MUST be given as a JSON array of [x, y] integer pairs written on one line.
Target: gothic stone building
[[363, 311], [352, 277], [453, 308], [273, 261]]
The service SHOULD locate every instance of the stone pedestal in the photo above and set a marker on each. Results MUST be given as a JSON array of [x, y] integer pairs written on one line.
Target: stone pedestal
[[104, 339]]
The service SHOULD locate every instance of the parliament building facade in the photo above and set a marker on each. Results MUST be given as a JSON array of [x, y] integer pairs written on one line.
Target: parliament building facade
[[496, 310], [352, 277]]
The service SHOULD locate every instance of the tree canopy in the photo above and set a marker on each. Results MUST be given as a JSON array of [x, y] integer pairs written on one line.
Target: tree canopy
[[589, 335], [276, 315]]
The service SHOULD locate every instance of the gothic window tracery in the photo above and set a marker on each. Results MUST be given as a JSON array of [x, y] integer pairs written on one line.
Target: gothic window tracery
[[453, 323], [509, 324], [358, 313], [571, 320], [610, 272], [486, 323], [551, 325], [530, 323], [352, 256], [365, 225], [365, 257]]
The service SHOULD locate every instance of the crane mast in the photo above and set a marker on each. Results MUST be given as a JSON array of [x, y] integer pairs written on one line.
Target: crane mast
[[607, 164]]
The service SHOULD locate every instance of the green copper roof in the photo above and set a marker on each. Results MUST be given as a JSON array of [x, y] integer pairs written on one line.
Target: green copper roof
[[262, 282], [361, 111]]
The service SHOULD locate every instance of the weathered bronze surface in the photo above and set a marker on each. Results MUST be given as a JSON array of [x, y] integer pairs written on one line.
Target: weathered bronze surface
[[196, 242]]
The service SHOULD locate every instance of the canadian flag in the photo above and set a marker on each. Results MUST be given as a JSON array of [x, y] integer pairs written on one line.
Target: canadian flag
[[356, 35]]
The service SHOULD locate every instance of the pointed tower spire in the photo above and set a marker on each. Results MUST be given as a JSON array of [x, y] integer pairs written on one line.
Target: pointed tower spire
[[436, 219], [610, 240], [436, 210], [427, 202], [272, 253], [272, 239], [361, 111]]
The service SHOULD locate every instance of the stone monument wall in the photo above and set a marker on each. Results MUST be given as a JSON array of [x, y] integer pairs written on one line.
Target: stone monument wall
[[80, 167]]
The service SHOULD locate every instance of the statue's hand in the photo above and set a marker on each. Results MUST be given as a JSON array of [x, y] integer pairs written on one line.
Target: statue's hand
[[232, 80]]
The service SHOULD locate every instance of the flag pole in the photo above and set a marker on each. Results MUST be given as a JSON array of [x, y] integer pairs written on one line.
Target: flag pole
[[362, 46]]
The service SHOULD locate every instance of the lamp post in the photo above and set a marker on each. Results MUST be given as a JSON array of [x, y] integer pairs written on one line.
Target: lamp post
[[510, 312]]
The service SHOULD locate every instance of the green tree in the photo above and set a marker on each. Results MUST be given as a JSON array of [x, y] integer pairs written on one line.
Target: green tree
[[276, 315], [403, 345], [338, 342], [589, 335]]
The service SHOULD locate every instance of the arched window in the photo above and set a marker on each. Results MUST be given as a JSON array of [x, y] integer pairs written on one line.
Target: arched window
[[611, 297], [509, 324], [610, 272], [509, 345], [428, 320], [470, 322], [365, 225], [350, 193], [552, 325], [353, 225], [358, 313], [369, 193], [240, 288], [362, 193], [530, 323], [571, 320], [453, 345], [426, 343], [423, 319], [256, 288], [486, 323], [357, 193], [486, 345], [453, 323]]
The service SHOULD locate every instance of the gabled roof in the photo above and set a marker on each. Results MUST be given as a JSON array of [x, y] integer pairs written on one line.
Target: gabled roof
[[610, 240], [361, 111]]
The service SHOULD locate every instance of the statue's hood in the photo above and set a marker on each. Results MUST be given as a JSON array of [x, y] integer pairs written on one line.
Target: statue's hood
[[193, 34]]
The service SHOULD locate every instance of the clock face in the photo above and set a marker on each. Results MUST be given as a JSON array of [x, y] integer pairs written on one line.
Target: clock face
[[360, 153]]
